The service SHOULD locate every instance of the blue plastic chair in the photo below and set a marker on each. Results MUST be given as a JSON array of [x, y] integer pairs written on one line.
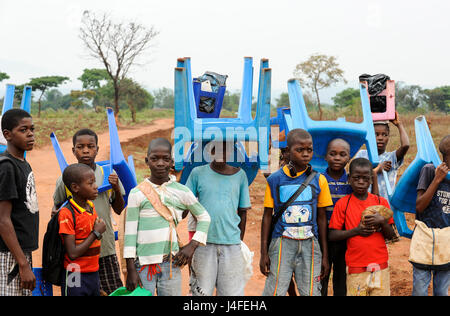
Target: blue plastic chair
[[200, 131], [322, 132], [106, 166], [42, 288], [403, 198], [125, 170], [8, 102]]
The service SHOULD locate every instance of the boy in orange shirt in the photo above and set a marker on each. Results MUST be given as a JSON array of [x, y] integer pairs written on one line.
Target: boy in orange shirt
[[81, 239], [367, 255]]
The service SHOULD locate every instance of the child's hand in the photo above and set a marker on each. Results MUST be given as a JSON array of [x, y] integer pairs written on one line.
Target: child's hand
[[264, 264], [396, 121], [373, 221], [441, 172], [364, 231], [184, 256], [385, 165], [114, 181], [99, 225]]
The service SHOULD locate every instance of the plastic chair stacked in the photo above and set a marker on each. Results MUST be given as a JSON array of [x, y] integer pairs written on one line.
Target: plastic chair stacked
[[198, 132], [403, 198], [322, 132], [125, 170], [8, 102]]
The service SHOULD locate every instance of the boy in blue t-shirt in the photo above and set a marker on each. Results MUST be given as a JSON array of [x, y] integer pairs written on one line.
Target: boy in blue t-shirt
[[389, 161], [223, 191], [433, 208], [338, 156], [299, 240]]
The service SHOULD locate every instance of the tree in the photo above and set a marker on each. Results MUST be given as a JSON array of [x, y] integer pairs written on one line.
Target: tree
[[81, 99], [91, 78], [409, 98], [164, 98], [3, 76], [438, 99], [346, 97], [318, 72], [135, 96], [116, 45], [283, 100], [44, 83]]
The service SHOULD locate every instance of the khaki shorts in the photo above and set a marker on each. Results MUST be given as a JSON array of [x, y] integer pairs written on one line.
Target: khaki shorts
[[375, 283]]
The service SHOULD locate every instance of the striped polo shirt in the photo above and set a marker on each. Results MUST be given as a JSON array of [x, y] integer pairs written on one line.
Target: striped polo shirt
[[338, 189], [147, 234], [84, 224]]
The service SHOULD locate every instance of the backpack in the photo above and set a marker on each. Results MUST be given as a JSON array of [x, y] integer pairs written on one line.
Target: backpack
[[53, 250]]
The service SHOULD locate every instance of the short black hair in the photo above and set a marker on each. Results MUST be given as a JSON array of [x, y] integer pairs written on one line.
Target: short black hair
[[75, 173], [297, 134], [341, 140], [444, 145], [360, 162], [12, 117], [82, 132], [159, 142]]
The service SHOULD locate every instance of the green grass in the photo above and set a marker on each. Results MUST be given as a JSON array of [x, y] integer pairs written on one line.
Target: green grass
[[64, 123]]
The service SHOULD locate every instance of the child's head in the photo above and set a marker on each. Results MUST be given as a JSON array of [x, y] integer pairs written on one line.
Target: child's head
[[18, 129], [221, 151], [382, 132], [444, 148], [338, 154], [159, 158], [80, 180], [85, 146], [360, 177], [299, 148]]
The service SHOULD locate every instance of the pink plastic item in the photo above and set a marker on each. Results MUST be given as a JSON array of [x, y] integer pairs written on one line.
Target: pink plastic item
[[389, 93]]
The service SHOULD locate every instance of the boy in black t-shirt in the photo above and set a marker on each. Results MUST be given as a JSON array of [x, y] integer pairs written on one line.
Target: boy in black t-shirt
[[19, 213], [433, 209]]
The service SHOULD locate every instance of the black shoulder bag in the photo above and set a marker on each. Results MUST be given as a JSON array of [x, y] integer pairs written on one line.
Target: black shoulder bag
[[276, 216]]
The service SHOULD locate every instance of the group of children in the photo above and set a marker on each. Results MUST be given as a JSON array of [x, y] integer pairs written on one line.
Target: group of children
[[320, 223]]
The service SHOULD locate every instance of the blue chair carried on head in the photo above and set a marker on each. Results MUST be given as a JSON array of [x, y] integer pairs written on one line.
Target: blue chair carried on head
[[198, 132], [8, 103], [403, 198], [322, 132], [125, 170]]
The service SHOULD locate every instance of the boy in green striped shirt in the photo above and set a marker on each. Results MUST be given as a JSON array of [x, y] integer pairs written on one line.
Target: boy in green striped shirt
[[150, 241]]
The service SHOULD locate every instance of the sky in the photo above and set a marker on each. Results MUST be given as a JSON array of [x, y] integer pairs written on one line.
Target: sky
[[406, 40]]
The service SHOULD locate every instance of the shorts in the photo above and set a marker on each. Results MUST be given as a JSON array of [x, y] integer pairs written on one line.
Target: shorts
[[109, 274], [7, 262], [374, 283]]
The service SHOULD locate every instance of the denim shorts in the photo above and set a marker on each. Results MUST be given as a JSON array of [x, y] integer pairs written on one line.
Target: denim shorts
[[220, 267], [299, 258]]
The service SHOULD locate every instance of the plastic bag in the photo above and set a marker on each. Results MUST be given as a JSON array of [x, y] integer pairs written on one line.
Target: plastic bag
[[376, 83], [248, 259], [213, 81]]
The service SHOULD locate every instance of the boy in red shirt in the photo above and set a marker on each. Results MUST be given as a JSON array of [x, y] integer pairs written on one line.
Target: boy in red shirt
[[82, 238], [367, 255]]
